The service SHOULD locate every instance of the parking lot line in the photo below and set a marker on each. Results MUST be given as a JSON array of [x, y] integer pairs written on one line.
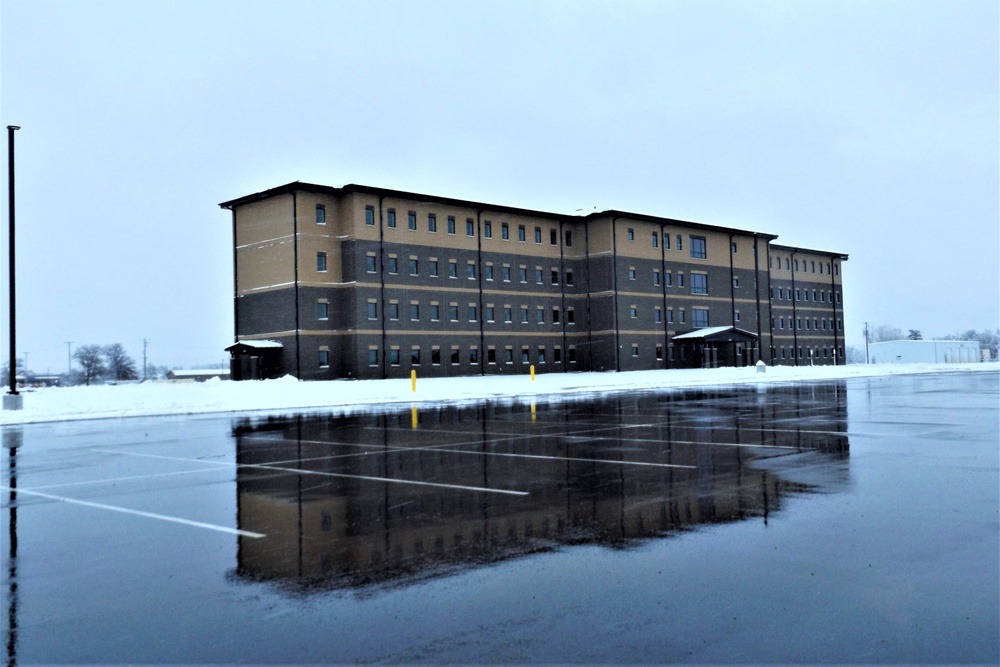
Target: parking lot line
[[125, 510]]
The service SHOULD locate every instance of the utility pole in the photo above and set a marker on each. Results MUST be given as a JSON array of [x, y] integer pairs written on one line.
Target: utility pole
[[866, 344], [144, 343], [12, 400], [69, 358]]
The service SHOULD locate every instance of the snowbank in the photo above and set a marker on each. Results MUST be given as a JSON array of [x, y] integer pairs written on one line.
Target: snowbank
[[288, 394]]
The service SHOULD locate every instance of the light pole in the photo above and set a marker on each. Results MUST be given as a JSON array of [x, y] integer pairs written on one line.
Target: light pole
[[12, 400], [69, 357]]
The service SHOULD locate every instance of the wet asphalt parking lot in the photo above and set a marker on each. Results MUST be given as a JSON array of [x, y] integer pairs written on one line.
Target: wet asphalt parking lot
[[846, 522]]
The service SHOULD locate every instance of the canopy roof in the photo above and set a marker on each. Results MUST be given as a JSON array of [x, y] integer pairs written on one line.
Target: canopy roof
[[718, 335]]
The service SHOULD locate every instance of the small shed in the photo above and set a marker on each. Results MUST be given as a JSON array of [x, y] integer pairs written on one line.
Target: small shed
[[255, 359], [925, 352], [713, 347]]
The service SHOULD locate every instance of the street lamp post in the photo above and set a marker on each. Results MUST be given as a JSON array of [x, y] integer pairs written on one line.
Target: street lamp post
[[12, 400]]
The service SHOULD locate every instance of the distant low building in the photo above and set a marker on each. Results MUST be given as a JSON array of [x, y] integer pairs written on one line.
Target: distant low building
[[198, 374], [925, 352]]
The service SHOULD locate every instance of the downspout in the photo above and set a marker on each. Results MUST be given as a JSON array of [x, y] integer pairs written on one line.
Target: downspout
[[479, 281], [770, 306], [562, 293], [756, 291], [236, 286], [295, 263], [732, 288], [614, 285], [833, 299], [663, 289], [795, 319], [590, 326], [381, 278]]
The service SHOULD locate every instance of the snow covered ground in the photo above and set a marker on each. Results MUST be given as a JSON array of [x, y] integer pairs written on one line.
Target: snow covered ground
[[289, 395]]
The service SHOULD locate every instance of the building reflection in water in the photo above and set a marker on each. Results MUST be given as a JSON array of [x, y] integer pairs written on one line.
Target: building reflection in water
[[391, 496]]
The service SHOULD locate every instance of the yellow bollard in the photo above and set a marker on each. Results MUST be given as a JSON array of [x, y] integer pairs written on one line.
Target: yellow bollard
[[532, 368], [533, 415], [414, 419], [413, 381]]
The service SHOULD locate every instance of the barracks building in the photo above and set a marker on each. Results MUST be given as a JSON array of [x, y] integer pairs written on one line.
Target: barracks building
[[366, 282]]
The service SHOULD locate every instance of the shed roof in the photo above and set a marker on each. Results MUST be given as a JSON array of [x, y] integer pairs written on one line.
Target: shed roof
[[718, 334]]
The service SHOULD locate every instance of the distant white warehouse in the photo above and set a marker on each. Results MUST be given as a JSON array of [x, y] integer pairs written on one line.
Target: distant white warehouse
[[925, 352]]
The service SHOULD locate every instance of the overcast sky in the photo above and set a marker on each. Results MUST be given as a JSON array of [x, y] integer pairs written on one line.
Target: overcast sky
[[868, 128]]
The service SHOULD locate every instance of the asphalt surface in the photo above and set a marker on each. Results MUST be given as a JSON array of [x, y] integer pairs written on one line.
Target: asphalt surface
[[847, 521]]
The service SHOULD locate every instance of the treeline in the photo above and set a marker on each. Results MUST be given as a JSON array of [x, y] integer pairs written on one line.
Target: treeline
[[988, 339]]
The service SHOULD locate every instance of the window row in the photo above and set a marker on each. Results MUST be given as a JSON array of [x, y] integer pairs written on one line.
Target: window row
[[538, 234], [453, 310], [820, 296], [808, 266], [455, 355], [809, 352], [432, 267], [815, 324]]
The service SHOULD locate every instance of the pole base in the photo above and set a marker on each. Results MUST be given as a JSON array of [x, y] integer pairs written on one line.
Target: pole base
[[13, 402]]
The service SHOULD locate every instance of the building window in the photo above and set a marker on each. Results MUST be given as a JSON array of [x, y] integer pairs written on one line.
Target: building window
[[321, 214], [668, 278], [321, 261], [541, 354], [369, 216], [736, 281], [373, 357], [520, 233], [631, 234], [656, 240], [680, 280], [393, 265], [452, 268], [540, 315], [571, 353], [394, 357], [555, 315], [781, 294], [435, 356], [524, 314], [553, 237], [505, 274], [657, 314], [797, 295], [569, 277], [680, 242], [370, 263], [453, 312], [698, 247], [451, 224], [489, 313], [525, 355], [432, 268], [414, 312], [670, 315], [736, 316], [522, 274], [569, 239], [372, 310], [474, 356], [631, 273], [656, 276], [504, 231], [666, 241], [635, 350], [682, 317], [435, 312], [455, 357], [570, 318], [470, 271], [699, 283], [491, 355], [322, 310], [415, 356], [797, 268], [555, 276], [473, 313], [732, 247], [659, 353], [488, 229], [507, 315], [470, 227], [508, 355], [557, 355], [393, 311], [390, 218], [411, 220], [488, 270], [414, 266], [538, 276], [538, 234], [324, 358], [432, 222]]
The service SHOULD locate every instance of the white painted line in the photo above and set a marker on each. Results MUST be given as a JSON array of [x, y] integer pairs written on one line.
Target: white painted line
[[301, 471], [125, 510], [112, 480]]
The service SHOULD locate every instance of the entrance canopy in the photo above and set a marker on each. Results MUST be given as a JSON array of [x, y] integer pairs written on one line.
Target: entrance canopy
[[718, 335]]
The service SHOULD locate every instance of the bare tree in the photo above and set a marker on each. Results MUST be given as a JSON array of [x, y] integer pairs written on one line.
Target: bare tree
[[885, 332], [91, 360], [120, 366]]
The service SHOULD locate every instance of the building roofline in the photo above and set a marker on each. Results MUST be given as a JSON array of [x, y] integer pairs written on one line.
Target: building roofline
[[350, 188], [828, 253]]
